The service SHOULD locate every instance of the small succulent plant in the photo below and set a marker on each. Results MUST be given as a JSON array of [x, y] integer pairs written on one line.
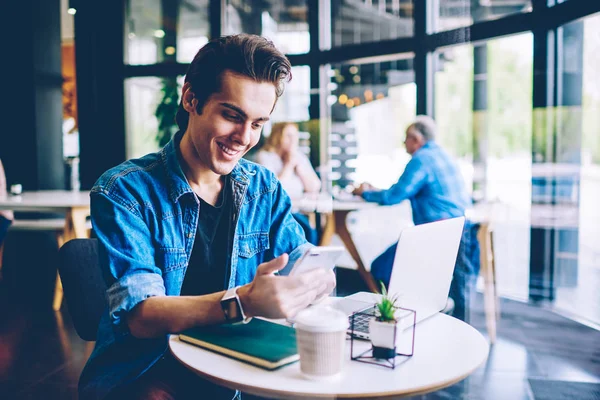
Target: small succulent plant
[[386, 307]]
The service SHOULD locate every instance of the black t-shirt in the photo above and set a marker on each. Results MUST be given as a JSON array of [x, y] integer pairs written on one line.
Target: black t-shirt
[[208, 269]]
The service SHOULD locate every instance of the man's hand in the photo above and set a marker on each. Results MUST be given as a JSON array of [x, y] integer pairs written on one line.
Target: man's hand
[[274, 296], [364, 187]]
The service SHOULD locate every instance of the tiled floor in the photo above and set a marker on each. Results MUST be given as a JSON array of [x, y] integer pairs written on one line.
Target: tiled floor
[[41, 356]]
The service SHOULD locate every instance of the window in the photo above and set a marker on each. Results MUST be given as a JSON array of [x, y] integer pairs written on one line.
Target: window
[[577, 260], [293, 105], [283, 22], [157, 31], [358, 21], [483, 103], [142, 97], [451, 14], [372, 104]]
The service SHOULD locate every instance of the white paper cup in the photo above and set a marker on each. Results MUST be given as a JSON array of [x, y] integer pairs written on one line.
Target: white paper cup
[[321, 339]]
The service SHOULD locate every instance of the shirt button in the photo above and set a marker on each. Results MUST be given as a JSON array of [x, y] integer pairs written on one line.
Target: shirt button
[[190, 234]]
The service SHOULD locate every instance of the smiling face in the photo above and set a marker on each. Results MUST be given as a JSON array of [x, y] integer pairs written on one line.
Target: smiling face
[[229, 124]]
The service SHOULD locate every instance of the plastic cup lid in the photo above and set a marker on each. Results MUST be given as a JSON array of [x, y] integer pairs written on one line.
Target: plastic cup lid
[[321, 319]]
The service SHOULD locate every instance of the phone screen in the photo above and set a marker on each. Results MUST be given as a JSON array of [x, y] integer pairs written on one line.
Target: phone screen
[[317, 257]]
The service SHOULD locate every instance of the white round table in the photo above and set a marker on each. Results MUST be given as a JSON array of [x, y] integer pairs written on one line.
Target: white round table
[[446, 351]]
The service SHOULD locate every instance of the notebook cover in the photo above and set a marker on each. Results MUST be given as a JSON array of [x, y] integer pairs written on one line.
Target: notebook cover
[[259, 342]]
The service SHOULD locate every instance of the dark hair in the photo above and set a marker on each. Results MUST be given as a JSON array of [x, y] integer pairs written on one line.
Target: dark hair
[[249, 55]]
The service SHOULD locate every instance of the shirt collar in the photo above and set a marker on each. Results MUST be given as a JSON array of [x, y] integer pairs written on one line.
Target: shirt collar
[[177, 181]]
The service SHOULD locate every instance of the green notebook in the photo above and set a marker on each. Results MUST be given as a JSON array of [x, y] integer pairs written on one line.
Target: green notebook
[[259, 342]]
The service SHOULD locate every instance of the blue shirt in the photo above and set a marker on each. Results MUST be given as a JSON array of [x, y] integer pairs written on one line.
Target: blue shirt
[[145, 215], [432, 183]]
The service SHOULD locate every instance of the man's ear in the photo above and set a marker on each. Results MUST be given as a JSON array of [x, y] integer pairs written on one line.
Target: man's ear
[[188, 99]]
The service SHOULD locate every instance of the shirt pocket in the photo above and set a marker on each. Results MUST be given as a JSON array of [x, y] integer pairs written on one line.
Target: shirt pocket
[[252, 244], [171, 258]]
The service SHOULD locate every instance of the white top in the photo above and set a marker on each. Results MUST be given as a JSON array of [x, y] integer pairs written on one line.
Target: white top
[[45, 200], [292, 184], [321, 319], [446, 351]]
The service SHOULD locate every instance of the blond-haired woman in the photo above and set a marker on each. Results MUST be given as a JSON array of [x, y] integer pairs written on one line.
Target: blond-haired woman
[[281, 154]]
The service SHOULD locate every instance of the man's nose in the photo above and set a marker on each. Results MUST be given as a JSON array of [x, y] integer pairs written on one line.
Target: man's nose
[[243, 134]]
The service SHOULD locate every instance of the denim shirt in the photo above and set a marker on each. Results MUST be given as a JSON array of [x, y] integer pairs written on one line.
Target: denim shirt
[[145, 215], [433, 184]]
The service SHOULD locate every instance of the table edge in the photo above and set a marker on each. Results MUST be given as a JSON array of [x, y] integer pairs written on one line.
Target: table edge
[[260, 391]]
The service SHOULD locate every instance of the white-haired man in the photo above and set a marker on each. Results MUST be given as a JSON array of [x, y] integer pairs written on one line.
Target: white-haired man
[[436, 190]]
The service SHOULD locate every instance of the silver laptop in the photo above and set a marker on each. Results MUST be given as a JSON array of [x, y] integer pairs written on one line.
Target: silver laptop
[[421, 274]]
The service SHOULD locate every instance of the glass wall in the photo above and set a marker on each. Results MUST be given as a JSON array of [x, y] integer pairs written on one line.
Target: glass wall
[[505, 131], [284, 22], [293, 105], [577, 260], [143, 96], [454, 105], [373, 104], [158, 31], [483, 102], [354, 22], [451, 14]]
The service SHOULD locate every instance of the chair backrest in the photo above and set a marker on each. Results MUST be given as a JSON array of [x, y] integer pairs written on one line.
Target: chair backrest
[[83, 285]]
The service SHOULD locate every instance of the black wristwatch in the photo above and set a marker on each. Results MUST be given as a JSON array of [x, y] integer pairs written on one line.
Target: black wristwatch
[[232, 308]]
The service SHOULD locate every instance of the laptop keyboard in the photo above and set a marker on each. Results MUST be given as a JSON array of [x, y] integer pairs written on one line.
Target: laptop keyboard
[[361, 320]]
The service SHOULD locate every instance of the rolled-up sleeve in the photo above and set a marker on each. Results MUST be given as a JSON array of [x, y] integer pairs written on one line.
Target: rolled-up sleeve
[[127, 257], [408, 185], [286, 234]]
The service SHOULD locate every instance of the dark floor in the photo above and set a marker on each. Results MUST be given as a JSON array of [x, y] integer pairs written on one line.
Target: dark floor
[[538, 355]]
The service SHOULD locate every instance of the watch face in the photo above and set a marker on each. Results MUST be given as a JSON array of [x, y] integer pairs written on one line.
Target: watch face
[[231, 309]]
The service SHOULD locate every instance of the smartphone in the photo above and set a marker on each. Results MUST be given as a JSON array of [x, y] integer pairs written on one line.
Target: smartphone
[[317, 257]]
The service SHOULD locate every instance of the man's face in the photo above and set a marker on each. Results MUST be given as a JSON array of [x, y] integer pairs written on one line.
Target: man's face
[[413, 141], [230, 123]]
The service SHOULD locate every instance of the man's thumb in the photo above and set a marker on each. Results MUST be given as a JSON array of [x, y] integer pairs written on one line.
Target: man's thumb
[[273, 265]]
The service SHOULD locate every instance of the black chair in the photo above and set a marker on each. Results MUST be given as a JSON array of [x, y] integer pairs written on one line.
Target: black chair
[[83, 285]]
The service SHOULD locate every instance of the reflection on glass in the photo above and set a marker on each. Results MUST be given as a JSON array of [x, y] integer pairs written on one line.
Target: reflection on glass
[[372, 104], [142, 98], [157, 31], [293, 105], [356, 21], [483, 102], [451, 14], [454, 105], [285, 23], [577, 262]]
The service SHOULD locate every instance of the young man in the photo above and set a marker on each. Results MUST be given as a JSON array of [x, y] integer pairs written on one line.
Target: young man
[[179, 227], [436, 190]]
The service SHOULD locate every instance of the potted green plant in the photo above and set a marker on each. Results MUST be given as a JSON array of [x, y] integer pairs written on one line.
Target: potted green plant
[[383, 328]]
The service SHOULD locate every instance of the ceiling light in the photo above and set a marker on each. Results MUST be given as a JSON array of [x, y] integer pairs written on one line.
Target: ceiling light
[[71, 11]]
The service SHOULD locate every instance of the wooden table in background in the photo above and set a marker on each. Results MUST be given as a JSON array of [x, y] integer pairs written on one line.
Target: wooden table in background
[[74, 205], [336, 223]]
